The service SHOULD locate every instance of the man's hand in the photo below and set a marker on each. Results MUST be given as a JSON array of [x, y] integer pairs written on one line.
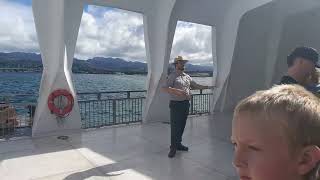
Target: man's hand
[[180, 92], [177, 92], [184, 94]]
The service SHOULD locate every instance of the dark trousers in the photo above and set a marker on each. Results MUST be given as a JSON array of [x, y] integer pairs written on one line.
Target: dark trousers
[[179, 111]]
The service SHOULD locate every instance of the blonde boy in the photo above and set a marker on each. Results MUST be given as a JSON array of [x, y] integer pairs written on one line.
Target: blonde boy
[[276, 135]]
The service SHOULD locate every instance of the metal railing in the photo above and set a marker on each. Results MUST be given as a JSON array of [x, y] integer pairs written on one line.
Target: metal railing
[[97, 109], [16, 115], [111, 95], [110, 108], [200, 103]]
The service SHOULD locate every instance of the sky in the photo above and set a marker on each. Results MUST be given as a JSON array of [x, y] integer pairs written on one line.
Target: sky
[[104, 32]]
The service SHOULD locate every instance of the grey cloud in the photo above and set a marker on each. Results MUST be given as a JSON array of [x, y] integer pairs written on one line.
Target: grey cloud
[[17, 33], [103, 32]]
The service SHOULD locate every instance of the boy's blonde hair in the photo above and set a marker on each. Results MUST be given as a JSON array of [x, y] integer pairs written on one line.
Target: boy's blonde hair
[[296, 109]]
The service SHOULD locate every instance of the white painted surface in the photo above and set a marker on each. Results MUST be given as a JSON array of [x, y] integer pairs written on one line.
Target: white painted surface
[[136, 152], [57, 24]]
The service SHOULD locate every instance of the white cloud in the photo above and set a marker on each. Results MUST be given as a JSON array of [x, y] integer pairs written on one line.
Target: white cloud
[[17, 30], [115, 33], [105, 32], [193, 42]]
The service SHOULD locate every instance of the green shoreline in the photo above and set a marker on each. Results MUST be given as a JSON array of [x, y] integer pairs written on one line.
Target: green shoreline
[[192, 74]]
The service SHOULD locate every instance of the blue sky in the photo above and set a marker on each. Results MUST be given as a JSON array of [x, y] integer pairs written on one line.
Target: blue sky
[[104, 31], [25, 2]]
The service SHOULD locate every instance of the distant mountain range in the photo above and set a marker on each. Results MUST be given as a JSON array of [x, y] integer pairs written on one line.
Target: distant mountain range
[[98, 65]]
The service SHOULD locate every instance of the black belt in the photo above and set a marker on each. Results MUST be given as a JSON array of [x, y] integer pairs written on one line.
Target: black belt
[[179, 101]]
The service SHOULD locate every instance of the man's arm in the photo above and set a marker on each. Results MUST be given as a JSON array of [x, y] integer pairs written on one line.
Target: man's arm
[[174, 91], [168, 87], [195, 85]]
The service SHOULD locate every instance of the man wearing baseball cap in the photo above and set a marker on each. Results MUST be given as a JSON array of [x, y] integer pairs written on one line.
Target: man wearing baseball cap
[[301, 65], [178, 85]]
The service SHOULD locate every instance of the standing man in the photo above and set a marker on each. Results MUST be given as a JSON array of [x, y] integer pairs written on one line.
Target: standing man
[[178, 86], [301, 65]]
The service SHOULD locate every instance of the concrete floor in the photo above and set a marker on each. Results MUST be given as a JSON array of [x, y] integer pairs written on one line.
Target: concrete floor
[[127, 152]]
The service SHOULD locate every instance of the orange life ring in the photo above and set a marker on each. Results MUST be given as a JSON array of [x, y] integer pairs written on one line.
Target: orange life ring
[[58, 106]]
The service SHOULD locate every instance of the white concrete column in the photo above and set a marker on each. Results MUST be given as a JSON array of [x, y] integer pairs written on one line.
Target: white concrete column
[[214, 54], [226, 37], [226, 34], [273, 45], [158, 39], [57, 23]]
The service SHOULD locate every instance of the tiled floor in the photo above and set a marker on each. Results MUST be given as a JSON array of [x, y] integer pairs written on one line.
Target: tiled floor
[[128, 152]]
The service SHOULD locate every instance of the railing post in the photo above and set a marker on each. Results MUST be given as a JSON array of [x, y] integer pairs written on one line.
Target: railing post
[[200, 91], [128, 94], [99, 96], [191, 104], [114, 111], [209, 101]]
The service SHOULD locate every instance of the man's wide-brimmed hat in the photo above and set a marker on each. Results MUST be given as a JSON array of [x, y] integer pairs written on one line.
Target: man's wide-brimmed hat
[[179, 59]]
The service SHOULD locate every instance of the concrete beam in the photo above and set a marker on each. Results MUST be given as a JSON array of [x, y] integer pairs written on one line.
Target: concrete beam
[[57, 24]]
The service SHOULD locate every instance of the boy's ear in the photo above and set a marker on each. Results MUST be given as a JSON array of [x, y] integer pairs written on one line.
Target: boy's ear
[[308, 159]]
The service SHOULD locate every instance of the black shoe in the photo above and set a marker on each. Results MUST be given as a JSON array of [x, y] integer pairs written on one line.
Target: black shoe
[[172, 152], [182, 148]]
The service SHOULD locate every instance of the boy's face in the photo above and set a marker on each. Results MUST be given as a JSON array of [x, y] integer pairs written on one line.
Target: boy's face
[[261, 150]]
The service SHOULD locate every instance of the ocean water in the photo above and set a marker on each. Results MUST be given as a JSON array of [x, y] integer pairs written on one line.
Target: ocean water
[[28, 83], [15, 86]]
